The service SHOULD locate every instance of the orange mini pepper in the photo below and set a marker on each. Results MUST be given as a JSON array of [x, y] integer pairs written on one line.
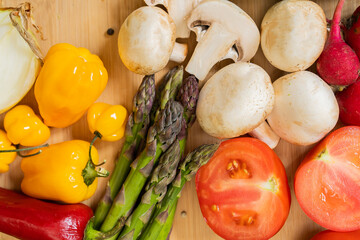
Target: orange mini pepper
[[7, 157], [62, 172], [107, 121], [69, 82], [24, 127]]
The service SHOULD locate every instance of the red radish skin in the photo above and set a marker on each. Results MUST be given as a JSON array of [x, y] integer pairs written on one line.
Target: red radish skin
[[349, 104], [352, 32], [338, 63]]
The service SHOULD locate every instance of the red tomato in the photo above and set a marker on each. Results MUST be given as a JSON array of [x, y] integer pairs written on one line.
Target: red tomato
[[327, 183], [243, 191], [330, 235]]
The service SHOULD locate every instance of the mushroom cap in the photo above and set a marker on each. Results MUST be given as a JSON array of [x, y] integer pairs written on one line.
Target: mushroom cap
[[293, 34], [305, 108], [146, 40], [235, 100], [232, 19]]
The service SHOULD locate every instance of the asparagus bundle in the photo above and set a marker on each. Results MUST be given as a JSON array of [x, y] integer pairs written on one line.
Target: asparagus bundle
[[187, 170], [188, 95], [156, 188], [144, 102], [160, 136], [136, 129]]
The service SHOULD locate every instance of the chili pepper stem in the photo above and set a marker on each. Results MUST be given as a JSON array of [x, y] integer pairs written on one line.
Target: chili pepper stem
[[89, 173], [92, 233], [19, 150]]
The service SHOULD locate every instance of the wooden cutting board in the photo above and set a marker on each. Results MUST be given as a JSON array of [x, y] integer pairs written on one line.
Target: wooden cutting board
[[84, 23]]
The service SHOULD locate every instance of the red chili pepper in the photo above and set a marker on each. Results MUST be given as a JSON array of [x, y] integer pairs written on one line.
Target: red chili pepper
[[31, 219]]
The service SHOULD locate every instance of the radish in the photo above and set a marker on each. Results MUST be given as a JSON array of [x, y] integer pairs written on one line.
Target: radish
[[352, 31], [338, 63], [349, 103]]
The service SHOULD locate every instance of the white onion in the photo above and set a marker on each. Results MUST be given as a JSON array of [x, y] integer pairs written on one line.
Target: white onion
[[19, 65]]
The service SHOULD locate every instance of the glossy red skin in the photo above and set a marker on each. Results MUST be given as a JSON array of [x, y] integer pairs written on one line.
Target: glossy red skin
[[330, 235], [352, 32], [31, 219], [263, 163], [328, 187], [349, 104]]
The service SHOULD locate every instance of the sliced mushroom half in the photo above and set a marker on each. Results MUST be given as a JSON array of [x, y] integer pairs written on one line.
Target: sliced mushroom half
[[178, 10], [223, 31]]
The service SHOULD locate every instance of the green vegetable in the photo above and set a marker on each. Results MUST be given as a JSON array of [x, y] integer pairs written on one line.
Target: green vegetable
[[160, 136], [92, 234], [162, 176], [166, 229], [188, 95], [136, 129], [167, 90], [187, 170]]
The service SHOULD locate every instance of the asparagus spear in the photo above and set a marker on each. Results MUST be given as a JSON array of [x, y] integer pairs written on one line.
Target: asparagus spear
[[160, 136], [188, 96], [166, 229], [136, 129], [188, 169], [156, 188], [167, 90]]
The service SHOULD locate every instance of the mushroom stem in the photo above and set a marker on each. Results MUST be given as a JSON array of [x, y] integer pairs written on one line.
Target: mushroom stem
[[179, 52], [264, 133], [214, 46]]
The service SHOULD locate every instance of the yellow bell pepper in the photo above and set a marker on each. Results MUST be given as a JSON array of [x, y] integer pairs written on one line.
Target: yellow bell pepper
[[107, 121], [62, 172], [24, 127], [69, 82], [6, 157]]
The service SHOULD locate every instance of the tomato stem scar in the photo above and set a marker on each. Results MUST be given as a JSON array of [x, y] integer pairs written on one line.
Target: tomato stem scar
[[324, 156]]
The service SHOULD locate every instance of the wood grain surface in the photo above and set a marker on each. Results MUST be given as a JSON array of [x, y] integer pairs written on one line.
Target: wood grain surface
[[84, 23]]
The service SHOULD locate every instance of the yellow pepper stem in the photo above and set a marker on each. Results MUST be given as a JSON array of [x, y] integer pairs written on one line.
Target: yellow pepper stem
[[19, 150], [89, 173]]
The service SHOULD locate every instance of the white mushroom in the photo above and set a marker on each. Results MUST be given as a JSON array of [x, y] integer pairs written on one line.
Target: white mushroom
[[147, 41], [305, 108], [293, 34], [178, 10], [223, 31], [235, 101]]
